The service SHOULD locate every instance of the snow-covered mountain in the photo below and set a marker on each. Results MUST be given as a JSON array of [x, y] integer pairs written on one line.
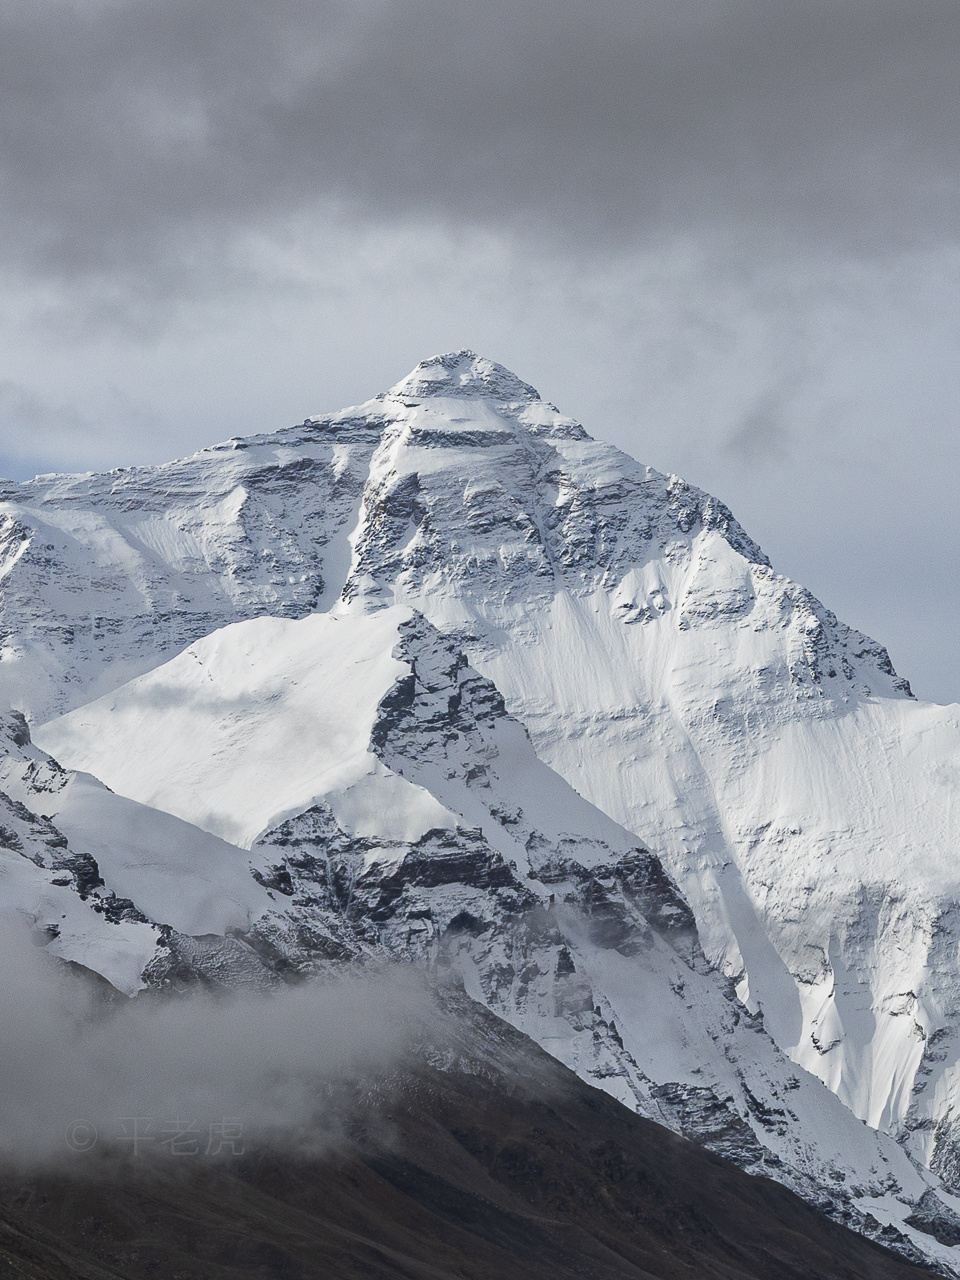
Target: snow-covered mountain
[[384, 801], [679, 696]]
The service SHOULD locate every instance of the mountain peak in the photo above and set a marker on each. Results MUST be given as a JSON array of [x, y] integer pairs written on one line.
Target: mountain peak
[[463, 373]]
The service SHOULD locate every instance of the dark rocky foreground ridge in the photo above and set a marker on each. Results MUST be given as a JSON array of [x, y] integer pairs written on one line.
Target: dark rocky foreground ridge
[[484, 1161]]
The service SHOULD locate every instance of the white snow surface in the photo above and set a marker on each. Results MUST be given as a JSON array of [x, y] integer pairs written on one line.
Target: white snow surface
[[255, 724], [104, 576], [264, 719], [117, 951], [175, 874]]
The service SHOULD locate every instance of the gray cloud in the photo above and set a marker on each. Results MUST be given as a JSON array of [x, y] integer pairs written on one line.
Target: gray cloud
[[283, 1066], [23, 411], [762, 435], [129, 129]]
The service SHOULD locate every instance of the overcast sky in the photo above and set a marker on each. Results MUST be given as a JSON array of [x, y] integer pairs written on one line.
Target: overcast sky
[[722, 233]]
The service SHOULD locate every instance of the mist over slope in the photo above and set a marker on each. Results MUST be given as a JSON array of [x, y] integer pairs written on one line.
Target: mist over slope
[[477, 1155], [84, 1073]]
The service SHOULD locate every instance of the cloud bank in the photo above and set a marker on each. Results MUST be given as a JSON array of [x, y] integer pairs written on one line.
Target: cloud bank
[[129, 129], [195, 1075]]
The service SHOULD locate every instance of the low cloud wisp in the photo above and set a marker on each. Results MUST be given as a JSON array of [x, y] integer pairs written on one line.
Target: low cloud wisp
[[194, 1075]]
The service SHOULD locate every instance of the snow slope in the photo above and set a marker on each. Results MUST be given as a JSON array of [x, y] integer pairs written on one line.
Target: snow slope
[[247, 727], [377, 778], [102, 576], [106, 880]]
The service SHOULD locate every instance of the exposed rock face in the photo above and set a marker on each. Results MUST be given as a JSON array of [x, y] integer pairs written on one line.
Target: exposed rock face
[[708, 709]]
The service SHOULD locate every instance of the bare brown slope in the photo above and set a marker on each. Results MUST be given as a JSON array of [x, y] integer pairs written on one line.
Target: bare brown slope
[[504, 1166]]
